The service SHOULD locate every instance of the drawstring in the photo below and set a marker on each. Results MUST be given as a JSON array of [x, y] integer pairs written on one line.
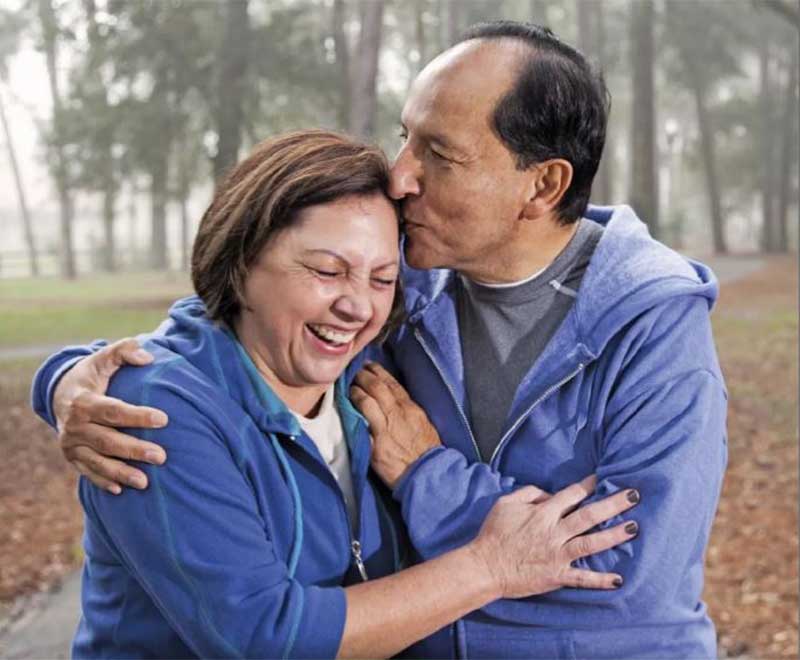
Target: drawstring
[[261, 391]]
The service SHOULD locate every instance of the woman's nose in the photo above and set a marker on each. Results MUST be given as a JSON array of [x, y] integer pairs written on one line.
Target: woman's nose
[[354, 304]]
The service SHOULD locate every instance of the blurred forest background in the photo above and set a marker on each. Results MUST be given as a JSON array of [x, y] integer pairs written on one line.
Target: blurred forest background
[[138, 106], [117, 116]]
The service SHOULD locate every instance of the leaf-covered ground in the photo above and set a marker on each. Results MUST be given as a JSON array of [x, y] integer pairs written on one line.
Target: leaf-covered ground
[[752, 577]]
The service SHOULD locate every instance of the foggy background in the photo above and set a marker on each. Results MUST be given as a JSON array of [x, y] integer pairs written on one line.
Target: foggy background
[[121, 114]]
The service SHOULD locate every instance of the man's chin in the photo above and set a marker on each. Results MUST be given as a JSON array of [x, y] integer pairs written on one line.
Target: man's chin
[[418, 257]]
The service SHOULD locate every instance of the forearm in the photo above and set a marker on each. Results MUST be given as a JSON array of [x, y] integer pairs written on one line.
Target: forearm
[[437, 524], [49, 374], [385, 616]]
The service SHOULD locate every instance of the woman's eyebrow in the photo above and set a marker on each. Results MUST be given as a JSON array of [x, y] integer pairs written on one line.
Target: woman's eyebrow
[[343, 259]]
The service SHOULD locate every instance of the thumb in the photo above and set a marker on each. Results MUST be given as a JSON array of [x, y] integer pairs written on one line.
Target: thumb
[[125, 351]]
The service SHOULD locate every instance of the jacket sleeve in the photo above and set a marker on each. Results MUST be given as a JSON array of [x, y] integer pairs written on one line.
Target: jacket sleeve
[[49, 374], [663, 432], [196, 540]]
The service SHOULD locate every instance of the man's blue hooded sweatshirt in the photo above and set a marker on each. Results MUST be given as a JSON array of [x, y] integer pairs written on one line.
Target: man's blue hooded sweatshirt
[[240, 546], [629, 388]]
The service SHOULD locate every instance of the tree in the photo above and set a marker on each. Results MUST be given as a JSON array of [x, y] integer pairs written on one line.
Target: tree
[[788, 153], [591, 41], [231, 85], [644, 181], [10, 26], [60, 164], [363, 101]]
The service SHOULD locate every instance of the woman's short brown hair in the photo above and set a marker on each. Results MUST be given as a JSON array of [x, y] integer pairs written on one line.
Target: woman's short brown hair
[[263, 194]]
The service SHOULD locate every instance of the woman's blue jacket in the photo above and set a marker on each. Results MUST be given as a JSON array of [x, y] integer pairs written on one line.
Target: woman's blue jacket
[[241, 545]]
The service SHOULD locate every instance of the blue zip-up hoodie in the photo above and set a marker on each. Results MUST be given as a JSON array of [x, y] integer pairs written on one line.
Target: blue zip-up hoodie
[[240, 546], [629, 388]]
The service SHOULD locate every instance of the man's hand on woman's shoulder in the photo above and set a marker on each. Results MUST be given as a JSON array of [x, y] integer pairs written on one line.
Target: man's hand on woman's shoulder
[[88, 420]]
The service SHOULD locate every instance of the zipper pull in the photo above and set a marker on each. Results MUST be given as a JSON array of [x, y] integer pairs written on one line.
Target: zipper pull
[[355, 546]]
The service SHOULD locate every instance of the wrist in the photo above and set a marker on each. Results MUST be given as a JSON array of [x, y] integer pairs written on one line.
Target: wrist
[[485, 578]]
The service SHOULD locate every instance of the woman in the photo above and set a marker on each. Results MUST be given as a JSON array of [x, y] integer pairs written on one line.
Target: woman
[[263, 535]]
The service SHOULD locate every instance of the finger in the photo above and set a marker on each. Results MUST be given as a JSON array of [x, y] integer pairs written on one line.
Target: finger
[[583, 579], [376, 388], [368, 407], [572, 495], [597, 512], [108, 468], [97, 480], [530, 494], [113, 444], [124, 351], [590, 544], [109, 411], [389, 380]]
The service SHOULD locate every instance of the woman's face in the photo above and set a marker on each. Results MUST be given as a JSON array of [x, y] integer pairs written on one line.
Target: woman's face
[[319, 292]]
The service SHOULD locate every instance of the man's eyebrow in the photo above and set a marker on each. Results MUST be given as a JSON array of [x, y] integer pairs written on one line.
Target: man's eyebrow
[[432, 136]]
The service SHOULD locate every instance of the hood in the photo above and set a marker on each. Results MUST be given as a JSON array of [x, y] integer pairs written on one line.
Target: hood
[[628, 274], [211, 348]]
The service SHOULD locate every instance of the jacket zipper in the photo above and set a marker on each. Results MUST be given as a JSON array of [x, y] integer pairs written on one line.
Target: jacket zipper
[[520, 419], [355, 547], [355, 544], [449, 389]]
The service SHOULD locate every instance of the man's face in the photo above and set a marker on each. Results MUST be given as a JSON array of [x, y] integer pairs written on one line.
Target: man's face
[[461, 192]]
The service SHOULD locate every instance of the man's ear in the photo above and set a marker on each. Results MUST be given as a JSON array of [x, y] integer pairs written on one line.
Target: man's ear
[[550, 180]]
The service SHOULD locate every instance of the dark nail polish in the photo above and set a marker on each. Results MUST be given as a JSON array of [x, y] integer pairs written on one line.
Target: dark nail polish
[[633, 496], [632, 528], [617, 582]]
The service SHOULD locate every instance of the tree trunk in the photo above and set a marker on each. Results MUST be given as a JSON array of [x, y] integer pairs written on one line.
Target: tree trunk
[[789, 134], [538, 12], [644, 180], [363, 102], [49, 32], [231, 85], [603, 185], [109, 251], [453, 21], [105, 138], [27, 225], [419, 34], [158, 212], [584, 13], [341, 49], [708, 147], [766, 112]]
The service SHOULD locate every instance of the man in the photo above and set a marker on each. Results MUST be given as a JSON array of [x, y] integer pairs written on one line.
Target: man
[[548, 342]]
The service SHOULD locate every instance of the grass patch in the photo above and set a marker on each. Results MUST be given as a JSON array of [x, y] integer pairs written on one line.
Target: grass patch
[[45, 312]]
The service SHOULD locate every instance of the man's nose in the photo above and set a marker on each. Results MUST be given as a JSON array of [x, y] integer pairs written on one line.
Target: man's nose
[[405, 175]]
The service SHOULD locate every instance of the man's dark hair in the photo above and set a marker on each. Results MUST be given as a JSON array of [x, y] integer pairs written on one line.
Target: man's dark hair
[[557, 108]]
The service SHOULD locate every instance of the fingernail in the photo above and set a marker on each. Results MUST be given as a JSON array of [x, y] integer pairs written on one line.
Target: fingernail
[[114, 489], [617, 582], [138, 482], [155, 457], [633, 496], [141, 354], [158, 419], [632, 528]]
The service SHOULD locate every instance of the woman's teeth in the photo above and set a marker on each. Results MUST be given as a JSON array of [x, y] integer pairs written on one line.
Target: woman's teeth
[[330, 335]]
